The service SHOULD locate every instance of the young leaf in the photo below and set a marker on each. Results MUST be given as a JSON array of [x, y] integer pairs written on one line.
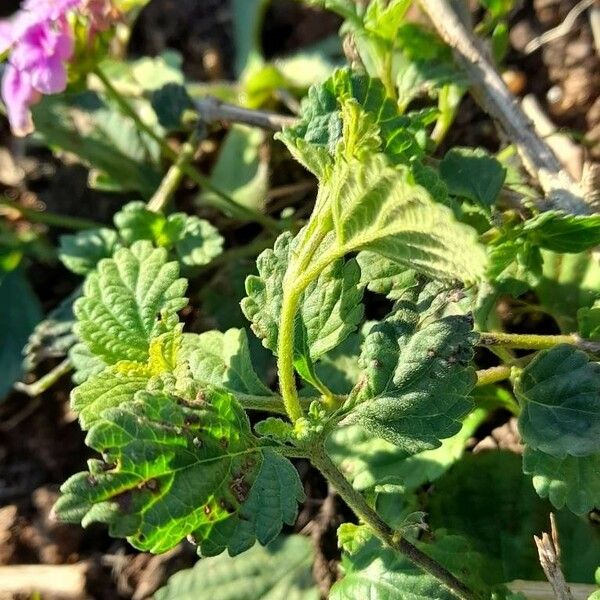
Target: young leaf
[[172, 469], [573, 481], [377, 207], [329, 311], [117, 316], [223, 360], [384, 276], [559, 393], [280, 571], [473, 174], [564, 233], [416, 377], [82, 251]]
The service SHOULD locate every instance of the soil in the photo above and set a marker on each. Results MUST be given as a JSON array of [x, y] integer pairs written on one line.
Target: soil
[[40, 441]]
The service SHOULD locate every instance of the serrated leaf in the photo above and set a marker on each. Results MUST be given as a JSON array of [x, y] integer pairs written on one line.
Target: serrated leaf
[[370, 462], [416, 377], [384, 276], [379, 208], [559, 393], [223, 360], [193, 241], [330, 308], [85, 363], [81, 252], [572, 481], [473, 174], [117, 316], [280, 571], [173, 469]]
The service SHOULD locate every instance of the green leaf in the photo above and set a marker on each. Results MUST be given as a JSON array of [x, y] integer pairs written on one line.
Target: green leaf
[[572, 481], [330, 308], [280, 571], [21, 312], [486, 498], [589, 321], [223, 360], [86, 364], [416, 377], [248, 16], [117, 316], [559, 393], [384, 276], [242, 168], [173, 107], [199, 242], [379, 208], [82, 251], [172, 468], [377, 572], [564, 233], [473, 174], [370, 462]]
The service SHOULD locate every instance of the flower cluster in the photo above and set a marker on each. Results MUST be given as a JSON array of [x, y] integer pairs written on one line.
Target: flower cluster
[[39, 39]]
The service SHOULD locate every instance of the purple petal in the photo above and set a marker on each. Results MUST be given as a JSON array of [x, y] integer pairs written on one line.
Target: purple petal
[[6, 35], [50, 76], [18, 95]]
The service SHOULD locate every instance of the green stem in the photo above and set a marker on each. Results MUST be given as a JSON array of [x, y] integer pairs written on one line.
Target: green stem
[[47, 381], [222, 201], [273, 404], [172, 180], [48, 218], [525, 341], [382, 530], [492, 375]]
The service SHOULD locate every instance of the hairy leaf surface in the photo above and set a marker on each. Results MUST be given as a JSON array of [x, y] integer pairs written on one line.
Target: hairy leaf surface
[[416, 378], [171, 469], [280, 571], [117, 316], [559, 393], [82, 251]]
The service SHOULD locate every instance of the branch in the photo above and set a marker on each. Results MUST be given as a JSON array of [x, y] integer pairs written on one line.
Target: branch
[[562, 191], [214, 110]]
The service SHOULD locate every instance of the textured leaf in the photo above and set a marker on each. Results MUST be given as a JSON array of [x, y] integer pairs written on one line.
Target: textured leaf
[[86, 364], [223, 360], [172, 469], [384, 276], [589, 321], [486, 498], [21, 313], [117, 316], [573, 481], [559, 393], [194, 241], [564, 233], [376, 207], [370, 462], [416, 378], [330, 308], [280, 571], [473, 174], [82, 251], [379, 573]]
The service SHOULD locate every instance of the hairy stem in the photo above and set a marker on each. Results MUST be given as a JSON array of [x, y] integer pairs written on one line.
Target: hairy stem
[[492, 375], [524, 341], [171, 181], [222, 201], [48, 218], [382, 530]]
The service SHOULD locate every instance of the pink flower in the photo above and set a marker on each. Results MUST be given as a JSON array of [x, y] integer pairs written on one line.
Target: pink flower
[[41, 44]]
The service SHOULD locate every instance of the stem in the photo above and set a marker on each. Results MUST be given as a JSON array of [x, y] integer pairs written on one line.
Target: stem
[[47, 381], [223, 201], [524, 341], [48, 218], [382, 530], [171, 181], [492, 375], [272, 404]]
